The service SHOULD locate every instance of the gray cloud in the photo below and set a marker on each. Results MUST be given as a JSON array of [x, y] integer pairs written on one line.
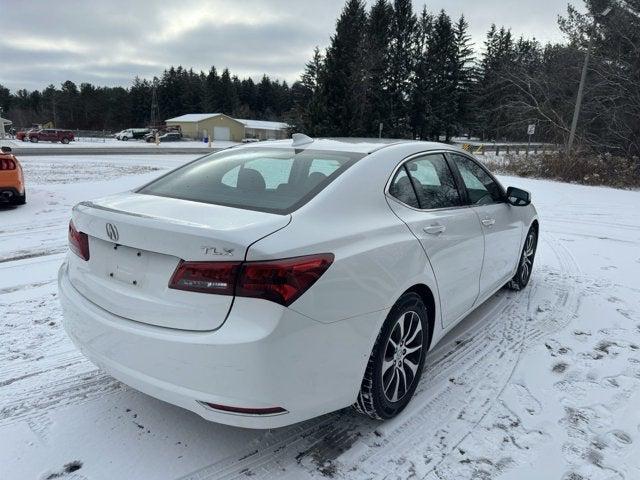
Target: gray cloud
[[108, 43]]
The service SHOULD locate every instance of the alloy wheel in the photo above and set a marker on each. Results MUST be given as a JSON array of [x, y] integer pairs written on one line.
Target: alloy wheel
[[528, 253], [402, 356]]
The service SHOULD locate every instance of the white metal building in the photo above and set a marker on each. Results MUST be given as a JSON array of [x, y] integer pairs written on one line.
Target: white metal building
[[264, 130], [223, 127]]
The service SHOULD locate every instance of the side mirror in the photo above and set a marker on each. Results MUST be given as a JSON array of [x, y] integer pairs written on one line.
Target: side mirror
[[518, 197], [6, 149]]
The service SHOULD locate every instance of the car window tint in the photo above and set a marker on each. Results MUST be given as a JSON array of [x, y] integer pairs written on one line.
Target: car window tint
[[324, 166], [275, 171], [433, 182], [402, 189], [481, 188], [266, 179]]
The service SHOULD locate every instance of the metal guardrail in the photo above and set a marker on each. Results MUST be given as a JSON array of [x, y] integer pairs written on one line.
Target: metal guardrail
[[498, 149]]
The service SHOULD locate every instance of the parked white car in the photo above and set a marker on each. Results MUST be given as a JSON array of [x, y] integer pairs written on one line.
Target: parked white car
[[270, 283], [132, 133]]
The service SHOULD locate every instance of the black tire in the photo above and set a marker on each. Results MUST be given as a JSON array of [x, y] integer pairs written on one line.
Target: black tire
[[374, 399], [22, 199], [65, 141], [124, 138], [33, 139], [525, 264]]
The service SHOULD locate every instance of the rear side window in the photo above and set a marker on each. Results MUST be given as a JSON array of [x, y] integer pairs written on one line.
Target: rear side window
[[433, 182], [402, 189], [264, 179]]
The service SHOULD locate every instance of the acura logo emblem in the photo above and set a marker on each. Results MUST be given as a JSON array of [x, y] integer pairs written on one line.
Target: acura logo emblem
[[112, 232]]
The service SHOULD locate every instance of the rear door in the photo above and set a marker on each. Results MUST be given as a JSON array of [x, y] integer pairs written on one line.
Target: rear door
[[424, 195], [501, 224]]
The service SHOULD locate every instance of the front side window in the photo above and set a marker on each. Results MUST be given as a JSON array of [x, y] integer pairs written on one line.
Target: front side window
[[433, 182], [265, 179], [481, 188]]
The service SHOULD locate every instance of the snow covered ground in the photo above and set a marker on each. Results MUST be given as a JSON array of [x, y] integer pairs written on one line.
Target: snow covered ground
[[541, 384]]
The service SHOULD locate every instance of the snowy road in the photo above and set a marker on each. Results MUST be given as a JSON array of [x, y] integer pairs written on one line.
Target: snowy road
[[541, 384]]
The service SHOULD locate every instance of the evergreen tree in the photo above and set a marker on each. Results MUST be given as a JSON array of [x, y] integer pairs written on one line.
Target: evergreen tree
[[497, 59], [464, 76], [420, 105], [377, 60], [402, 52], [342, 78], [228, 100], [309, 111], [442, 54], [212, 92]]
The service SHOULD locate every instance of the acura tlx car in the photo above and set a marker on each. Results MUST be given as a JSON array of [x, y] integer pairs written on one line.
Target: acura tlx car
[[274, 282]]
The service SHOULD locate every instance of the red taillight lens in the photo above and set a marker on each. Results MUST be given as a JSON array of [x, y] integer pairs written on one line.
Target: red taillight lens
[[78, 242], [282, 281], [205, 277], [7, 164]]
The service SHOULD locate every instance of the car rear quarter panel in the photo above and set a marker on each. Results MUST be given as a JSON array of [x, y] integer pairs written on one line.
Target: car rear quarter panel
[[377, 257]]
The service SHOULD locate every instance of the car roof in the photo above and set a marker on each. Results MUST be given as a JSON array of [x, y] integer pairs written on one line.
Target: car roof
[[356, 145]]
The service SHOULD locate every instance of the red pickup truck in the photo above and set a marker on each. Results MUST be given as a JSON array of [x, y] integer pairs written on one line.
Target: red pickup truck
[[50, 135]]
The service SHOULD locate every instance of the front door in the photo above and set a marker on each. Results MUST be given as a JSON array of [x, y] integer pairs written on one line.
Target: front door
[[501, 225], [424, 195]]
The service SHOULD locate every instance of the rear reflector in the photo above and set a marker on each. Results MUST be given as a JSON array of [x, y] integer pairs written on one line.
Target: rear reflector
[[205, 277], [280, 281], [7, 164], [78, 242], [245, 411]]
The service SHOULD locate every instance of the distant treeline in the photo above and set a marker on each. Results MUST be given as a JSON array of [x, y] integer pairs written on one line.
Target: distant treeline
[[416, 73], [178, 91]]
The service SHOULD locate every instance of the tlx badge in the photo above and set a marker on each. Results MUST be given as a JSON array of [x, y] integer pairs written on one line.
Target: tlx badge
[[227, 252]]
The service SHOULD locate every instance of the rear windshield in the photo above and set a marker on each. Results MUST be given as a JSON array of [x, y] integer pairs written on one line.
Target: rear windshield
[[264, 179]]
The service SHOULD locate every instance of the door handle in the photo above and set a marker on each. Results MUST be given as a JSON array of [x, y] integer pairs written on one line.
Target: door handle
[[434, 229], [488, 222]]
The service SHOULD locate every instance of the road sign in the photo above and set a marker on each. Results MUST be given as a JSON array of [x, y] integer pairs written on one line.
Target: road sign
[[531, 129]]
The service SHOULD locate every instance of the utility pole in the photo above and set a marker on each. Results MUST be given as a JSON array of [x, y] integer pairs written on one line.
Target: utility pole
[[154, 119], [2, 132], [583, 80]]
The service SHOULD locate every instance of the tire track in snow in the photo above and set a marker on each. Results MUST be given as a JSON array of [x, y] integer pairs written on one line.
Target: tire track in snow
[[461, 383], [72, 390], [285, 447]]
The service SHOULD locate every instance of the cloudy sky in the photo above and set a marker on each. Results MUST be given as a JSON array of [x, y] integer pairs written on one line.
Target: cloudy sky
[[111, 41]]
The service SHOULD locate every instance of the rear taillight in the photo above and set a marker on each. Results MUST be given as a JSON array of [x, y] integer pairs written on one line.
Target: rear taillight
[[7, 164], [280, 281], [78, 242], [205, 277]]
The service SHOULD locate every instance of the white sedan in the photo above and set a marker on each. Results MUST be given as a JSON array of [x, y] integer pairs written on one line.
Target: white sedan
[[270, 283]]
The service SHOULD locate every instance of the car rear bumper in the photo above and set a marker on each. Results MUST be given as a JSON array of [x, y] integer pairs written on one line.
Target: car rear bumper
[[263, 356], [11, 181]]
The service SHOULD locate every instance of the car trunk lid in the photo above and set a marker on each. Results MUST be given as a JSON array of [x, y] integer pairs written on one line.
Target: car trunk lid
[[136, 242]]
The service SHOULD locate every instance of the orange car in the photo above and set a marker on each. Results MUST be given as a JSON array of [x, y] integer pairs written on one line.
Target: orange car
[[12, 190]]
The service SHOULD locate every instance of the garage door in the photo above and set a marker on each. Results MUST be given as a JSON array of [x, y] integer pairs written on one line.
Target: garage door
[[221, 133]]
